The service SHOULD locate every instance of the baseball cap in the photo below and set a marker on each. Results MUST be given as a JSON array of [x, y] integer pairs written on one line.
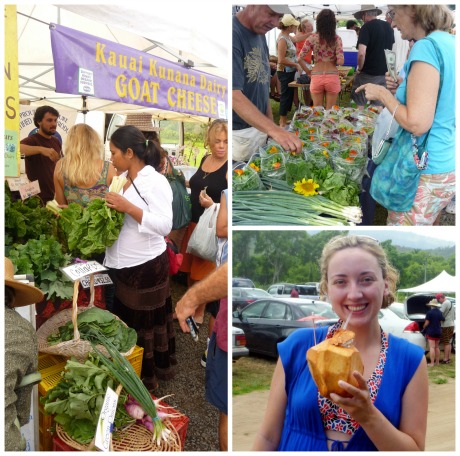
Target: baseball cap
[[280, 9], [439, 296], [288, 20]]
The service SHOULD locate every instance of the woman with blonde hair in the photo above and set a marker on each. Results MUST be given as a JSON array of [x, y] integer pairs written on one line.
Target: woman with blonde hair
[[287, 64], [82, 175], [386, 409], [423, 104], [206, 187]]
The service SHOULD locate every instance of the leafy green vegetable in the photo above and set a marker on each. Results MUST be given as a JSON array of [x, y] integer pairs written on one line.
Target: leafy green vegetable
[[96, 229], [78, 398], [43, 257], [27, 220], [122, 337]]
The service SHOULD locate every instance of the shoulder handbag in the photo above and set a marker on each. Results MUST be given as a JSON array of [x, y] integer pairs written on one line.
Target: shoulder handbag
[[181, 205], [203, 241], [395, 181]]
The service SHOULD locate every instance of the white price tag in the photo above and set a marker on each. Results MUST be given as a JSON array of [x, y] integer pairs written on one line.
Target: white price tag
[[15, 183], [30, 189], [78, 270], [106, 419], [99, 279]]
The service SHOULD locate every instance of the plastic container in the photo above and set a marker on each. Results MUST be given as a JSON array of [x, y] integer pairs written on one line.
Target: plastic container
[[349, 37], [350, 57]]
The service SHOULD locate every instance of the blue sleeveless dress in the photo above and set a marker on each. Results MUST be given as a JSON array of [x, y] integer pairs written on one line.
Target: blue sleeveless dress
[[303, 427]]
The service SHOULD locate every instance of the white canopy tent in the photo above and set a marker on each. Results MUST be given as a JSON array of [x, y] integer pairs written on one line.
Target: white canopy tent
[[444, 282], [177, 34]]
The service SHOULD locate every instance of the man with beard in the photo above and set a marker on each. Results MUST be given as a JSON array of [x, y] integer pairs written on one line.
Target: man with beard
[[42, 150]]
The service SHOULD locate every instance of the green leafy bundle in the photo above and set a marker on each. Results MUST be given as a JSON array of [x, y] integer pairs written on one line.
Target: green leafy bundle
[[77, 400], [122, 337], [97, 228], [43, 257], [26, 220]]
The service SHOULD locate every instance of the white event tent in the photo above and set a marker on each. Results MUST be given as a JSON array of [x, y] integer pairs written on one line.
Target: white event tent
[[444, 282], [178, 34]]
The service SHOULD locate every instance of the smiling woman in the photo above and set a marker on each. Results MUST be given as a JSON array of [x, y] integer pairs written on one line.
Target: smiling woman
[[358, 281]]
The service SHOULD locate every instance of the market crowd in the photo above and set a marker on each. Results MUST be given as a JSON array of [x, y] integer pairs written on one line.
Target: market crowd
[[139, 261], [413, 102]]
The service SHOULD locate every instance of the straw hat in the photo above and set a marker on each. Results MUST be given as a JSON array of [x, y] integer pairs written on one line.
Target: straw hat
[[365, 9], [24, 294], [142, 121], [433, 303]]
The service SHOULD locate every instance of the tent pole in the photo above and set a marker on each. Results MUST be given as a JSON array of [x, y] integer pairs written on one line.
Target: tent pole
[[181, 133]]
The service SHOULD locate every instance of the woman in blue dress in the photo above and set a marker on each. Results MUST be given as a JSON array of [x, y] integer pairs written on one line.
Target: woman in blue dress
[[388, 410]]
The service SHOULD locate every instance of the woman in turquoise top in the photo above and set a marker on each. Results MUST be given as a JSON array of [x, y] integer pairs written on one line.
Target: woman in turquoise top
[[82, 175], [388, 411], [421, 108]]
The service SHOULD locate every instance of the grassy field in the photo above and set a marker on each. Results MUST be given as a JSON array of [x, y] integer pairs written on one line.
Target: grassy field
[[254, 373]]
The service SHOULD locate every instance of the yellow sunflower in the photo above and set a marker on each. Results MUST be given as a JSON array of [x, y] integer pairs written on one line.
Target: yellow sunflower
[[306, 187]]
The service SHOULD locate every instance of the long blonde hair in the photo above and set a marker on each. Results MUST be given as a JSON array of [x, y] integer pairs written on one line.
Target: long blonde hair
[[370, 245], [82, 156]]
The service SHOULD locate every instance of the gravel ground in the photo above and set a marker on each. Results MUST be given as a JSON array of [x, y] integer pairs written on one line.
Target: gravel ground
[[188, 387]]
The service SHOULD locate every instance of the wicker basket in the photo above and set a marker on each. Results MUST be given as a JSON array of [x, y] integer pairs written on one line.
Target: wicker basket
[[131, 438], [76, 347]]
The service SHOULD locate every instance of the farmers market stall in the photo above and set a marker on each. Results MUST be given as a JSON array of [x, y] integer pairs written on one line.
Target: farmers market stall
[[84, 349], [319, 186]]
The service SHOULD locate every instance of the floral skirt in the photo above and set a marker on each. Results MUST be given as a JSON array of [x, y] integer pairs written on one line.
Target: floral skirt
[[433, 194]]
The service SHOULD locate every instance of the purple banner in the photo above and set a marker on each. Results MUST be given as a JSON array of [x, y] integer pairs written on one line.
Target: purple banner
[[88, 65]]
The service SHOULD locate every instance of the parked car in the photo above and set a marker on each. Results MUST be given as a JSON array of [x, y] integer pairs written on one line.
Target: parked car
[[416, 309], [241, 297], [309, 291], [239, 343], [393, 321], [269, 321], [242, 282]]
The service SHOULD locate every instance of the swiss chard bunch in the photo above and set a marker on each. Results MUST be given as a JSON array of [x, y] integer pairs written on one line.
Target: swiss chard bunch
[[43, 257], [26, 220], [94, 318], [76, 401], [96, 229]]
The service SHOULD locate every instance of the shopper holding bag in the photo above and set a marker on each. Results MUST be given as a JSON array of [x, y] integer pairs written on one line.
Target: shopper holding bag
[[426, 107], [206, 187]]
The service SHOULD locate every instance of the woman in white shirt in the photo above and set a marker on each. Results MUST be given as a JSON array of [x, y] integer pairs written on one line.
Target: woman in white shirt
[[138, 260]]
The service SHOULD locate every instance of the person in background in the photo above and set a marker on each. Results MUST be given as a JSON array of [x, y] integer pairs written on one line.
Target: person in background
[[82, 175], [388, 409], [447, 326], [206, 187], [275, 86], [304, 30], [214, 286], [21, 357], [400, 46], [375, 36], [327, 53], [252, 115], [432, 331], [138, 260], [287, 65], [295, 293], [42, 150], [352, 25], [424, 105]]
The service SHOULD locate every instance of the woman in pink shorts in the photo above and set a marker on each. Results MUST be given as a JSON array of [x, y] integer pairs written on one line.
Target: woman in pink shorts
[[327, 53]]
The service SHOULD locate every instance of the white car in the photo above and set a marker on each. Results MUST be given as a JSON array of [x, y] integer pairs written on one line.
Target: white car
[[395, 322], [239, 343]]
